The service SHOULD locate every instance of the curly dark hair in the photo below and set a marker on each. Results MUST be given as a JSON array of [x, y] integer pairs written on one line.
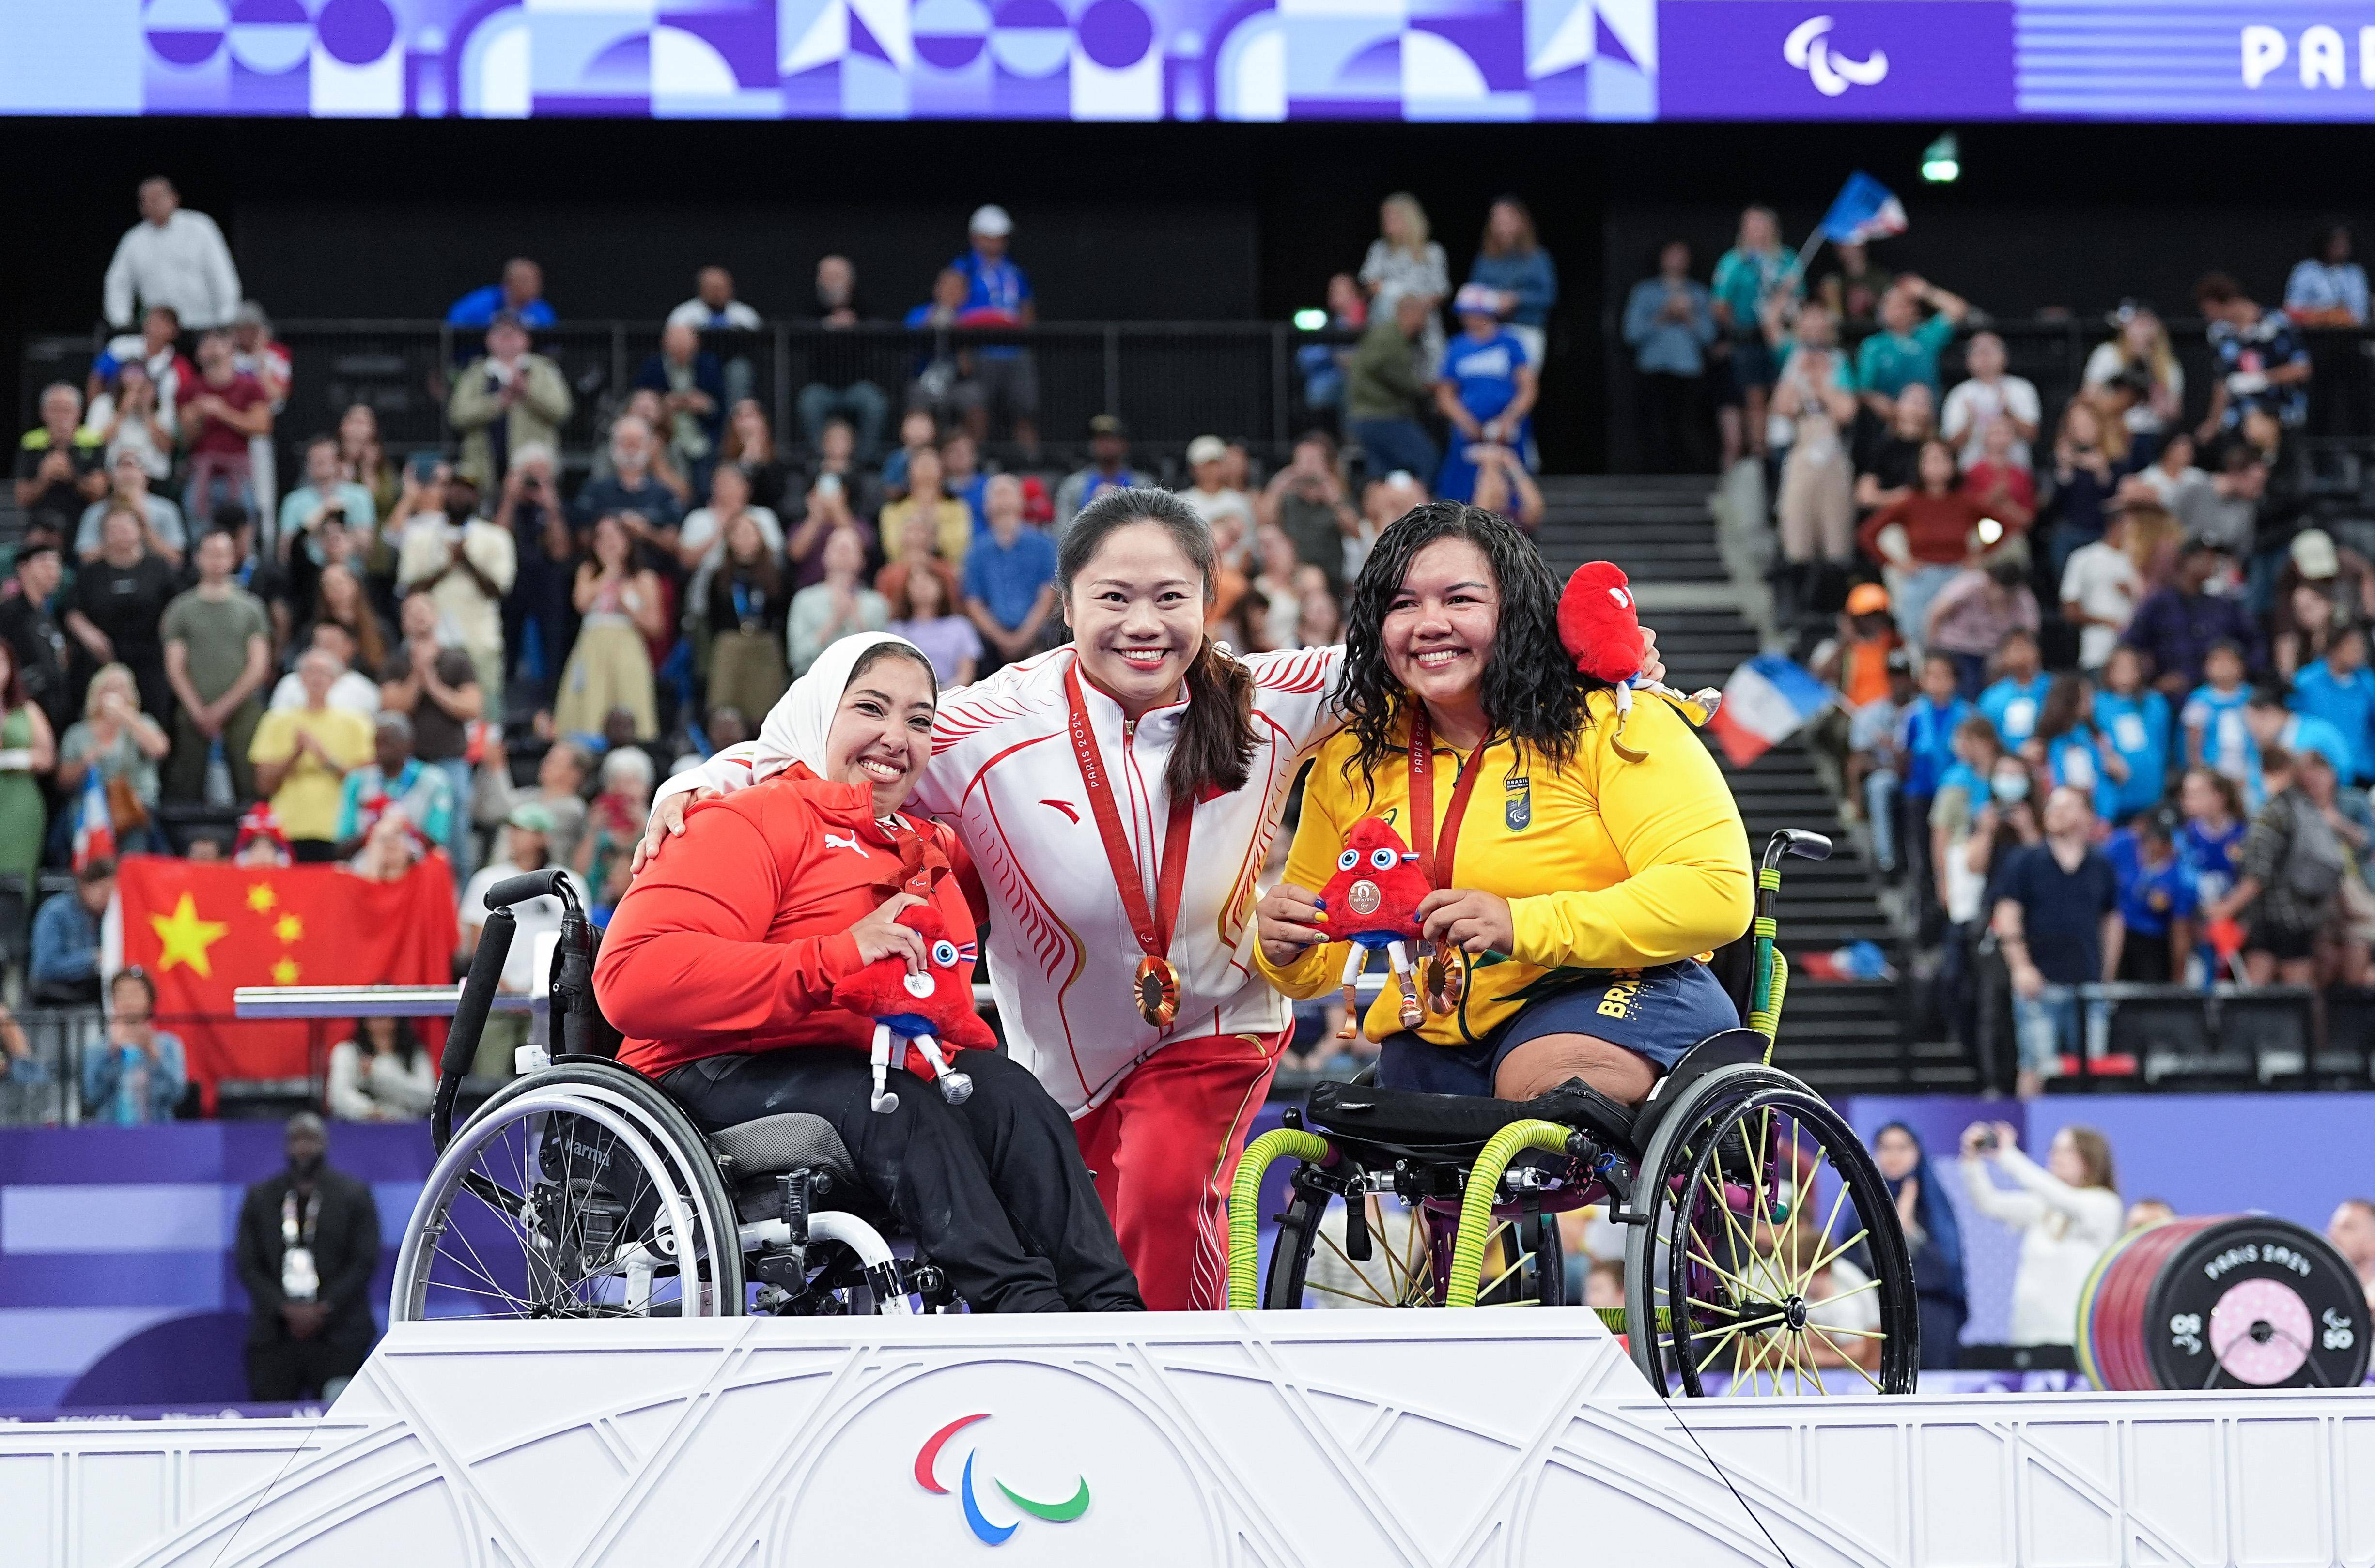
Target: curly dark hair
[[1532, 692]]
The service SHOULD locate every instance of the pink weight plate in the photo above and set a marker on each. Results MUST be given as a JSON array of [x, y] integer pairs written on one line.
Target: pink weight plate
[[2259, 1332]]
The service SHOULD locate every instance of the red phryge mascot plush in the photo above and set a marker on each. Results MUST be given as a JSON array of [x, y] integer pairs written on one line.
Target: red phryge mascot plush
[[920, 1012], [1372, 901], [1601, 628]]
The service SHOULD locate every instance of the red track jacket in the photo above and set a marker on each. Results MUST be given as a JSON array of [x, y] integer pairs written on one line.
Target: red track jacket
[[733, 939]]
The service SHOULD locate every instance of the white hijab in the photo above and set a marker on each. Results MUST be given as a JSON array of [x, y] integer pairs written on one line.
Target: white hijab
[[797, 726]]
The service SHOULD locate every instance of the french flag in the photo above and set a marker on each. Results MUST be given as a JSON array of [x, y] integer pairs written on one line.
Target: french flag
[[95, 826], [1766, 700], [1864, 209]]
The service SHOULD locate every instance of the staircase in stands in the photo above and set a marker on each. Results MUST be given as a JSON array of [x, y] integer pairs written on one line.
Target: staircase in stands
[[1844, 1037]]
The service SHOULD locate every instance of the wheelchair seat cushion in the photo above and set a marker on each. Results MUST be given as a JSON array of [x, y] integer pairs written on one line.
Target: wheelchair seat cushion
[[1456, 1123], [784, 1142]]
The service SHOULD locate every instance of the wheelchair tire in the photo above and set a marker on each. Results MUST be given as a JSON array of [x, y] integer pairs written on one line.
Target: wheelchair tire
[[1728, 1281], [536, 1179], [1404, 1268]]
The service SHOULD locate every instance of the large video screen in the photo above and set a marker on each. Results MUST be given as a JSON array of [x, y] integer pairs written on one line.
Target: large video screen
[[1469, 59]]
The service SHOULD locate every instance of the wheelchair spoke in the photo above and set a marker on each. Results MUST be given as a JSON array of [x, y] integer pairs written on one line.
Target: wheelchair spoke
[[1370, 1300], [1734, 1280], [1814, 1270], [1397, 1275], [482, 1269], [1375, 1298], [1842, 1354], [1486, 1290]]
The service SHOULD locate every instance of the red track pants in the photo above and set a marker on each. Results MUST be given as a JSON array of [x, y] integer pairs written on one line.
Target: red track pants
[[1165, 1149]]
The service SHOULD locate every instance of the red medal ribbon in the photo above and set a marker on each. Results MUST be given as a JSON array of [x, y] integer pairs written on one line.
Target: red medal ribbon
[[1152, 926], [1422, 800]]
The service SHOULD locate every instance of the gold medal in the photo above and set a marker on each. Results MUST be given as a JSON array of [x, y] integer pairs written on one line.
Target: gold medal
[[1155, 988]]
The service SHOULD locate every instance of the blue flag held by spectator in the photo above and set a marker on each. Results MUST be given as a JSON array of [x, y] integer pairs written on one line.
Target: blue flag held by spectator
[[1864, 209]]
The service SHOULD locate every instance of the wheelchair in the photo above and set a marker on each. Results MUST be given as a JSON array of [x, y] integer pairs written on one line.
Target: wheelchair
[[583, 1189], [1761, 1244]]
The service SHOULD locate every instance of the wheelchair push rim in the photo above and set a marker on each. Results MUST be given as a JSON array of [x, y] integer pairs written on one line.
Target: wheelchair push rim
[[1774, 1261], [568, 1200]]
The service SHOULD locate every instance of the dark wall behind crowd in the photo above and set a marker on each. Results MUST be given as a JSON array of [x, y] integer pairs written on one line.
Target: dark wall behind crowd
[[1141, 222]]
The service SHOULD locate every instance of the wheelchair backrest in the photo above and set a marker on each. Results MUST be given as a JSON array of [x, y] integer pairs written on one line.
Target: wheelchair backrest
[[1734, 965], [605, 1038]]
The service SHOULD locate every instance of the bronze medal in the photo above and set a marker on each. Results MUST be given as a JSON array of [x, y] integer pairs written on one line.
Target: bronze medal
[[1156, 989], [1443, 976]]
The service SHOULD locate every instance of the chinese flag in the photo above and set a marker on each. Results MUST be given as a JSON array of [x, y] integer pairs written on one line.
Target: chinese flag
[[203, 930]]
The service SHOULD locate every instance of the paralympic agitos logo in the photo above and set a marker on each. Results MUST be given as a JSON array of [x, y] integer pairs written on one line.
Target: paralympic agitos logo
[[927, 1457]]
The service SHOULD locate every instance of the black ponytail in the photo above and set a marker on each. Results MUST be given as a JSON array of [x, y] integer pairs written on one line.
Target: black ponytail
[[1214, 752], [1215, 748]]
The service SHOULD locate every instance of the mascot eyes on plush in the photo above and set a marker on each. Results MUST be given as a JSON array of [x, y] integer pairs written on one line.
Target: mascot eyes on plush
[[1372, 901], [920, 1012]]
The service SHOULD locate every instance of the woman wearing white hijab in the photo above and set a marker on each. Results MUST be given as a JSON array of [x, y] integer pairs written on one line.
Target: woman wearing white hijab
[[721, 966]]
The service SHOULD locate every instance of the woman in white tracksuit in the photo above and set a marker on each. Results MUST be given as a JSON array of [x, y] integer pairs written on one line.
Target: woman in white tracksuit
[[1121, 929]]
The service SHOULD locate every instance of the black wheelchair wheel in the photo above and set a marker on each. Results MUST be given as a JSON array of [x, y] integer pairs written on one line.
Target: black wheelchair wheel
[[579, 1191], [1312, 1263], [1772, 1261]]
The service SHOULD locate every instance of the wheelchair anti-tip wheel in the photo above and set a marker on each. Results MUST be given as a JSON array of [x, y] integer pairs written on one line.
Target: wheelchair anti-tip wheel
[[1406, 1261], [580, 1191], [1772, 1253]]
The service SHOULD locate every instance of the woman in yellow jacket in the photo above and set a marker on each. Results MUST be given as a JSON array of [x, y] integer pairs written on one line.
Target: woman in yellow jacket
[[1586, 867]]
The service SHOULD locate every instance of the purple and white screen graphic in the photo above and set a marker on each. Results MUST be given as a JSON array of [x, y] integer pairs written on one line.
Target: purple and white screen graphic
[[1473, 60], [835, 59]]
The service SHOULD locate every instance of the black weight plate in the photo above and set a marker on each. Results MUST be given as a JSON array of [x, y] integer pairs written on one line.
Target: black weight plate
[[2256, 1301]]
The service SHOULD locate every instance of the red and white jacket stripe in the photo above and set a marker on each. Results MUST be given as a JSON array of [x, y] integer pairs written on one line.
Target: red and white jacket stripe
[[1061, 949]]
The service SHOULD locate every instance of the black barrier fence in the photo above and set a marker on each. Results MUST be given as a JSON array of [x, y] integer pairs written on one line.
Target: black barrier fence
[[44, 1088], [1170, 382], [2052, 353]]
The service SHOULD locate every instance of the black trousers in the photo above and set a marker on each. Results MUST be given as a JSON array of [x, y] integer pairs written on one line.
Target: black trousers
[[284, 1370], [993, 1190], [1673, 415]]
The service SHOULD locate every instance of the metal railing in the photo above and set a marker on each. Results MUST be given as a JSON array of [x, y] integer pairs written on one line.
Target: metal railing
[[2051, 351], [49, 1094], [1170, 381]]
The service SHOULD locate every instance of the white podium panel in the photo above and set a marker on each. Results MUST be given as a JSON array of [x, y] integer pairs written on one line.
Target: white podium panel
[[1288, 1440]]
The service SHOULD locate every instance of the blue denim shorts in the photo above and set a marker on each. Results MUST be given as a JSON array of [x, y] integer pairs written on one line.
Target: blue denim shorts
[[1656, 1013]]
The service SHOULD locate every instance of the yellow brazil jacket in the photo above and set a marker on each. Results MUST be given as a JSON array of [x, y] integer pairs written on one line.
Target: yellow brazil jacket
[[1607, 864]]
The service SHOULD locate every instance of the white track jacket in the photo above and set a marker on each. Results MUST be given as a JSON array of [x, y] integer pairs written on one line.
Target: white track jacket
[[1061, 949]]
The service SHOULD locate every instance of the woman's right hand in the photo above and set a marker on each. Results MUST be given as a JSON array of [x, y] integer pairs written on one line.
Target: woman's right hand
[[1287, 919], [1974, 1139], [667, 821], [879, 935]]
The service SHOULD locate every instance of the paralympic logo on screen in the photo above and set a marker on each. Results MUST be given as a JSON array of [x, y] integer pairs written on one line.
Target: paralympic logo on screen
[[988, 1534], [1807, 49]]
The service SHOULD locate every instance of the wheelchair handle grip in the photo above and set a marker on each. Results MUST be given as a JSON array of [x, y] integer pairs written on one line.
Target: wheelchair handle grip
[[551, 882], [470, 1013], [1798, 841]]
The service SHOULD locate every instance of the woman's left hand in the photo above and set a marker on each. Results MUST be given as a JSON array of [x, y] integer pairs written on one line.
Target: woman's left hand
[[1477, 921], [1652, 667]]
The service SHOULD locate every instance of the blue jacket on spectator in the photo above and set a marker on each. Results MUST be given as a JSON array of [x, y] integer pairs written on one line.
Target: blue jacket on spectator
[[480, 306], [2347, 703], [1671, 347], [65, 942], [1925, 732], [1530, 275], [121, 1087]]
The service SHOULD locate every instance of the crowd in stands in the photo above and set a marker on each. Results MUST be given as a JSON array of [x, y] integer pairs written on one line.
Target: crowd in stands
[[493, 650], [2102, 668]]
